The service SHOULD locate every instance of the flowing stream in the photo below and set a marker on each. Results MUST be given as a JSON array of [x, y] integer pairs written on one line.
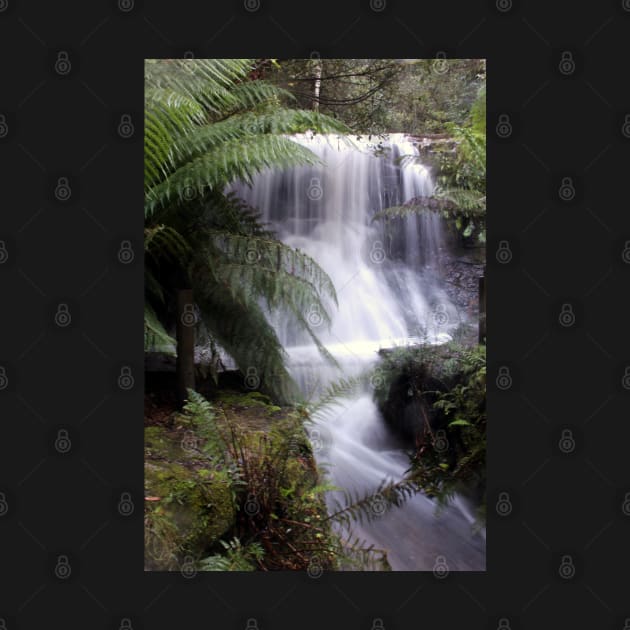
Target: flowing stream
[[389, 292]]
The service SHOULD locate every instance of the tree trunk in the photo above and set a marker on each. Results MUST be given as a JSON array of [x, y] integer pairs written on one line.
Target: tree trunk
[[185, 333], [317, 82]]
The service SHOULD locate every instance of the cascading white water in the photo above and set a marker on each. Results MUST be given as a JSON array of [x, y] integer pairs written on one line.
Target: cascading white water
[[389, 294]]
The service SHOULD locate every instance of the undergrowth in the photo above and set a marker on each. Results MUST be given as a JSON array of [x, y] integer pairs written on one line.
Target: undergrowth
[[450, 382], [279, 494]]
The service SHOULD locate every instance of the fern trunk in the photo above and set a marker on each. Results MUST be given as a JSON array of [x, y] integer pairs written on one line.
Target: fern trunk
[[185, 333]]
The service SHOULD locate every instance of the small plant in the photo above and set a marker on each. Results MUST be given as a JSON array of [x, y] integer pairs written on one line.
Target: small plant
[[198, 413], [235, 558], [441, 473]]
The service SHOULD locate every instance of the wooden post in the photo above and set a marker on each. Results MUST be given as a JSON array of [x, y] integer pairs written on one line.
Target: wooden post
[[185, 332], [482, 309]]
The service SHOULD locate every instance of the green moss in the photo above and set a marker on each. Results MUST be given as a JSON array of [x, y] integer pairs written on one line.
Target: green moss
[[155, 437], [195, 507], [250, 400]]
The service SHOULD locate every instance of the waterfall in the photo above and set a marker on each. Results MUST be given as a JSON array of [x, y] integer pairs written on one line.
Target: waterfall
[[387, 278]]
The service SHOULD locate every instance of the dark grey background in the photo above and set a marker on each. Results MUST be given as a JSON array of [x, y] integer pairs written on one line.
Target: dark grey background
[[65, 252]]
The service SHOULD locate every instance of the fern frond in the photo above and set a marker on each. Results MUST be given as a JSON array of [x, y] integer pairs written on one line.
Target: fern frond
[[246, 335], [358, 555], [154, 333], [270, 255], [236, 558], [233, 160], [366, 507], [207, 138], [165, 241], [334, 395]]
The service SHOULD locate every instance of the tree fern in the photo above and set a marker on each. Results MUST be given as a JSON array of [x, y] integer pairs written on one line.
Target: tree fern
[[208, 124]]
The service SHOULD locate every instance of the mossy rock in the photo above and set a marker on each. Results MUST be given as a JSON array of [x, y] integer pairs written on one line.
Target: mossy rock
[[251, 399], [252, 411], [195, 507], [159, 442]]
